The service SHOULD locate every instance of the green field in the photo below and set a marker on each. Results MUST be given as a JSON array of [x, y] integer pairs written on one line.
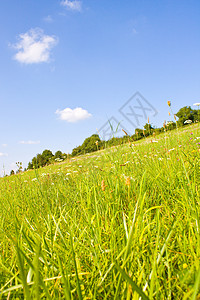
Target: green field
[[122, 223]]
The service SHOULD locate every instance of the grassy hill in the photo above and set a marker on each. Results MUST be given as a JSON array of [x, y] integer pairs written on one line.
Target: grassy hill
[[121, 223]]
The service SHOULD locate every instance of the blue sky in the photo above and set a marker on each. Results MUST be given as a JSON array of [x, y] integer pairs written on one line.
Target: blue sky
[[66, 67]]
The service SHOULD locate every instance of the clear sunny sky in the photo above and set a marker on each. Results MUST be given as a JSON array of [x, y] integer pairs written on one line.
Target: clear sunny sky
[[67, 67]]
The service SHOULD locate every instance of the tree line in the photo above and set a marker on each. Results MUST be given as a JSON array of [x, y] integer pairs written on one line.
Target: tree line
[[186, 115]]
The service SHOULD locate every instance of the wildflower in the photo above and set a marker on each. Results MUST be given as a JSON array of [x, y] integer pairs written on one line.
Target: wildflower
[[169, 103], [184, 266], [169, 113], [97, 143], [103, 187]]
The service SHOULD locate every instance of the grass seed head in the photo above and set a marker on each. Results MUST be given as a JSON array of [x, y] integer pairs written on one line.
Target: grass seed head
[[103, 187], [128, 181], [125, 132]]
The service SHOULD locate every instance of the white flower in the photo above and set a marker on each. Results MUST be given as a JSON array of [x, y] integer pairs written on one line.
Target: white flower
[[188, 122]]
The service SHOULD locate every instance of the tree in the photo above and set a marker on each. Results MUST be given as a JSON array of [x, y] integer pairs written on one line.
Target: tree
[[47, 155], [30, 166], [186, 113], [148, 129], [171, 125], [77, 151], [58, 154], [89, 145]]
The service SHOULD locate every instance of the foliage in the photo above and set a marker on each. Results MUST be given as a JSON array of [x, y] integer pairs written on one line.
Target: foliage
[[171, 125], [12, 172], [58, 154], [91, 144], [186, 113], [41, 160], [122, 223]]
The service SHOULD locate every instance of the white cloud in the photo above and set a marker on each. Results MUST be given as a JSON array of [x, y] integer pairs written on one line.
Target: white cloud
[[4, 145], [48, 19], [72, 5], [34, 46], [29, 142], [73, 115], [3, 154]]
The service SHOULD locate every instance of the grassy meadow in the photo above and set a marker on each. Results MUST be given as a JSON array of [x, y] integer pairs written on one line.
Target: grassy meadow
[[122, 223]]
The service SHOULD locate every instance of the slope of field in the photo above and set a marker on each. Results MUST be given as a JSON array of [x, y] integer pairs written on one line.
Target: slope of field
[[122, 223]]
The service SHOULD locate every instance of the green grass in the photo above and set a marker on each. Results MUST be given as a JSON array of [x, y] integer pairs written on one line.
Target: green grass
[[63, 236]]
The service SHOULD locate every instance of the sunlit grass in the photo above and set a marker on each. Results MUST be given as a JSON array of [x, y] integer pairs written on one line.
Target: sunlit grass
[[122, 223]]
